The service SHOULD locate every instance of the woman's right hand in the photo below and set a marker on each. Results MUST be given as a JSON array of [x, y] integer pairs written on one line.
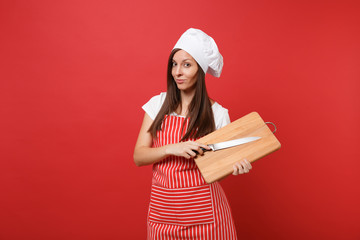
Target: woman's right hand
[[145, 154], [187, 149]]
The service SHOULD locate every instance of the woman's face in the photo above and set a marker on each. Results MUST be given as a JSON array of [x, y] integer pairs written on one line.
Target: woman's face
[[184, 69]]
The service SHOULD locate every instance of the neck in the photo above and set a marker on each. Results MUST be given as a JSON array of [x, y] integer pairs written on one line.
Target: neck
[[186, 98]]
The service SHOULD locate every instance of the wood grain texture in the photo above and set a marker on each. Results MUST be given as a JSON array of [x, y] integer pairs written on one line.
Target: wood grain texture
[[216, 165]]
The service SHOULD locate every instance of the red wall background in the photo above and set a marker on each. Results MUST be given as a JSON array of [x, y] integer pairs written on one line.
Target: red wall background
[[74, 75]]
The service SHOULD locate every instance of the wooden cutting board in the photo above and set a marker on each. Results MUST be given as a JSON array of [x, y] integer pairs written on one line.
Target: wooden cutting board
[[217, 165]]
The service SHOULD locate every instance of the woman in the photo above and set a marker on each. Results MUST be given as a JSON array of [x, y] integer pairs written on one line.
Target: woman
[[182, 204]]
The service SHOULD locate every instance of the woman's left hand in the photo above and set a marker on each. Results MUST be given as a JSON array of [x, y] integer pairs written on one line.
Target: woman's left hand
[[241, 167]]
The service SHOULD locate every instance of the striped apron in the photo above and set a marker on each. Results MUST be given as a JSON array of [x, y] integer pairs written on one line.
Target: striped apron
[[182, 205]]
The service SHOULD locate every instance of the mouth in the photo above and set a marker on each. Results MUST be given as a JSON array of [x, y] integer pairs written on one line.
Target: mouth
[[179, 81]]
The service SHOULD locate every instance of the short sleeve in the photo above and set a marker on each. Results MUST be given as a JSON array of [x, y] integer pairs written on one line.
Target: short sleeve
[[153, 106], [221, 116], [225, 120]]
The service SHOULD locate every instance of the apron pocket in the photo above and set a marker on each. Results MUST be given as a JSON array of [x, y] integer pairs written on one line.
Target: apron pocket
[[181, 206]]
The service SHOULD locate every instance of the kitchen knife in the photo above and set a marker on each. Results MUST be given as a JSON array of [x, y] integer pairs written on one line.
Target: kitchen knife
[[231, 143]]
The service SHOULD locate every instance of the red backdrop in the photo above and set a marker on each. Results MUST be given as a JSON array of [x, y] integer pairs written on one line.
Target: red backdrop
[[74, 75]]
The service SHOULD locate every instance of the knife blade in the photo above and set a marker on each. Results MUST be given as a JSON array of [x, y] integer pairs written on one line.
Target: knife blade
[[231, 143]]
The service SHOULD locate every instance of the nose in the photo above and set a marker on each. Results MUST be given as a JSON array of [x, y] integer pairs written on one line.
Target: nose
[[177, 70]]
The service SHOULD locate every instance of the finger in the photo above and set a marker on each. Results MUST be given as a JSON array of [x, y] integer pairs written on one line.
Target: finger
[[200, 150], [190, 148], [202, 145], [235, 172], [248, 164], [197, 150], [240, 167], [205, 146], [191, 153], [244, 166]]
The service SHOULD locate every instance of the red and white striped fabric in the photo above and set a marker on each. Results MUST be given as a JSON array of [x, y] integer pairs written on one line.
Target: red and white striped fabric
[[182, 204]]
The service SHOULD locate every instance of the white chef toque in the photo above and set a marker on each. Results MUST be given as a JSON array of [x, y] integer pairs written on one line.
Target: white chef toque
[[203, 49]]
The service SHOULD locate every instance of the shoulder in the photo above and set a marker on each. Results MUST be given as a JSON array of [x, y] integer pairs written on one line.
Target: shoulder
[[158, 99], [221, 115], [152, 107]]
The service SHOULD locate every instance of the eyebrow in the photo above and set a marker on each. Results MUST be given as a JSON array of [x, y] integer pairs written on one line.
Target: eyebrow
[[183, 60]]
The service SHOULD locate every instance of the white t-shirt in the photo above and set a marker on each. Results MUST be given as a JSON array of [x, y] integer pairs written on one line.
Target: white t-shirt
[[152, 108]]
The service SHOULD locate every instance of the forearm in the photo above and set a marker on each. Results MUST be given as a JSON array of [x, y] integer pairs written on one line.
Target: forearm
[[144, 155], [147, 155]]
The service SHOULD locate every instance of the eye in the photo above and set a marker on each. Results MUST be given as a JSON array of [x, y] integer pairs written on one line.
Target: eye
[[174, 64], [187, 64]]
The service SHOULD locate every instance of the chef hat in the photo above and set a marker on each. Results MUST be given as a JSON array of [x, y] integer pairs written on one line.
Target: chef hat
[[203, 49]]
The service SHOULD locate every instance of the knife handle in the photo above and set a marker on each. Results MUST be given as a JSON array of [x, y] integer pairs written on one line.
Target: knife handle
[[204, 150]]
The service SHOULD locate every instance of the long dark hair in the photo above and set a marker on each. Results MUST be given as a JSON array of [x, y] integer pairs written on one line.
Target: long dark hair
[[200, 114]]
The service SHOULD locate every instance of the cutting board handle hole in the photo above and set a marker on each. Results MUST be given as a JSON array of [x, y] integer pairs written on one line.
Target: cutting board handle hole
[[273, 125]]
